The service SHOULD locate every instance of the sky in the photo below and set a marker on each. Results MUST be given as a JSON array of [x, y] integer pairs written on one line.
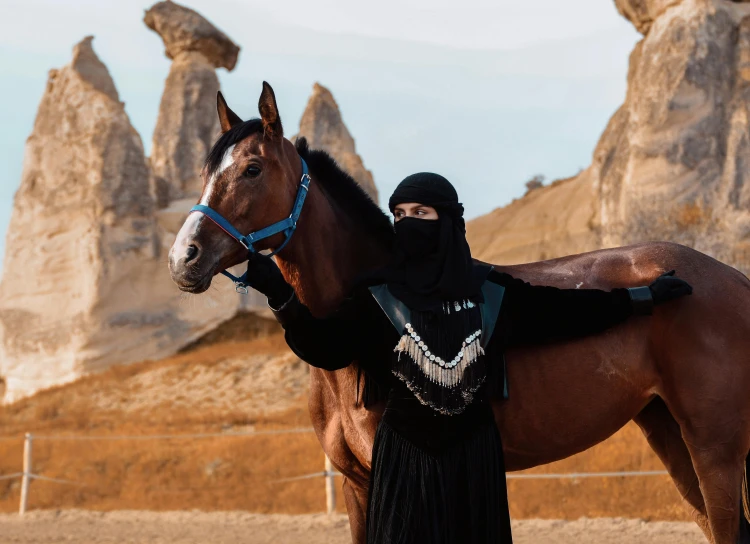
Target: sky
[[488, 93]]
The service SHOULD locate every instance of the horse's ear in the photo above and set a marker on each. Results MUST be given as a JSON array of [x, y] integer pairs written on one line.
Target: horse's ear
[[227, 118], [269, 113]]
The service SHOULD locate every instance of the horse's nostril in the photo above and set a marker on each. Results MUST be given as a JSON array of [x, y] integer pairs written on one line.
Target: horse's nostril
[[191, 253]]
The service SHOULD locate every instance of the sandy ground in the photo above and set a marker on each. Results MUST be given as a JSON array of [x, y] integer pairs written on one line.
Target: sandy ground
[[143, 527]]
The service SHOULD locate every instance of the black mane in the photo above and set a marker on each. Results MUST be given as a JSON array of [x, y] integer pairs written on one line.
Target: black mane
[[339, 185], [346, 191]]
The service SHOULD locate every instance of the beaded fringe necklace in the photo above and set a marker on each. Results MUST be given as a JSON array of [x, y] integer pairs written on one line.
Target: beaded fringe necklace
[[440, 356]]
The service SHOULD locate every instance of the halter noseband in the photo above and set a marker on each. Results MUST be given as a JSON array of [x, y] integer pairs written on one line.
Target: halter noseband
[[285, 226]]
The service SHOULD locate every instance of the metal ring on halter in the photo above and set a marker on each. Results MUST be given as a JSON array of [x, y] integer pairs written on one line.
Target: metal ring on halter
[[241, 288]]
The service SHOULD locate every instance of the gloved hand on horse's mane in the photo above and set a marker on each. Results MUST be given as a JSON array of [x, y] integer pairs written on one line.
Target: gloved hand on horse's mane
[[264, 276], [666, 287]]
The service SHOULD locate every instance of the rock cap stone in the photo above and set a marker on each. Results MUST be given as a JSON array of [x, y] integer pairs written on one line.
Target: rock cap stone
[[642, 13], [183, 29]]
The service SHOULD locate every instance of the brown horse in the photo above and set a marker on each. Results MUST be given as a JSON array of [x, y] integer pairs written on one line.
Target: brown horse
[[683, 374]]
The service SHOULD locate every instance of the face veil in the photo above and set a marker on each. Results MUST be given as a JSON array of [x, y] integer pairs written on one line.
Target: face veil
[[432, 263]]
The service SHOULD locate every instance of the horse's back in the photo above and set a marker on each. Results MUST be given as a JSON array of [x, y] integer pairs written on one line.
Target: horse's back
[[624, 266]]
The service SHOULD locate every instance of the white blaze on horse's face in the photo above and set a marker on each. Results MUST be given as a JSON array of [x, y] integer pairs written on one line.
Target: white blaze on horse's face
[[226, 162]]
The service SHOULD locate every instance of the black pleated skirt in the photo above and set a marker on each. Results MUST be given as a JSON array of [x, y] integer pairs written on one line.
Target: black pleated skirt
[[437, 479]]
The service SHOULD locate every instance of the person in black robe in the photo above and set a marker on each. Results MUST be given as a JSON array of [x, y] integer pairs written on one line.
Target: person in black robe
[[424, 329]]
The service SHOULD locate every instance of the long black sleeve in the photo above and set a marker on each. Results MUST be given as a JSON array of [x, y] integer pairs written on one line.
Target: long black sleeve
[[537, 314], [330, 343]]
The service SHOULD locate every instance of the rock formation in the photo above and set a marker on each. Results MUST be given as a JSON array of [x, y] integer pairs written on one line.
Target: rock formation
[[85, 282], [672, 163], [187, 124], [678, 167], [324, 128]]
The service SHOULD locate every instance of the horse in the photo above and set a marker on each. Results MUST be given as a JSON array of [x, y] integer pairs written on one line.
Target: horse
[[683, 373]]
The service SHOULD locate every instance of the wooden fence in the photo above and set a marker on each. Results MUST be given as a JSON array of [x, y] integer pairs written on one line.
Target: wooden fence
[[328, 473]]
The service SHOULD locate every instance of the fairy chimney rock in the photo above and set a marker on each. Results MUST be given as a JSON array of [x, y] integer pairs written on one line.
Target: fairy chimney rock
[[84, 282], [81, 217], [324, 129], [187, 124]]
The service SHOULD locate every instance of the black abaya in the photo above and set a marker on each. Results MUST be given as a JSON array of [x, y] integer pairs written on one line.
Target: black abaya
[[436, 478]]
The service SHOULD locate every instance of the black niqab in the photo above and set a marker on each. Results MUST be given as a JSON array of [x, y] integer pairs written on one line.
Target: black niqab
[[432, 262]]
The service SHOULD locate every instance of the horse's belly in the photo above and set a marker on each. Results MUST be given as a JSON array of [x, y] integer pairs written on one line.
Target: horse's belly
[[567, 398]]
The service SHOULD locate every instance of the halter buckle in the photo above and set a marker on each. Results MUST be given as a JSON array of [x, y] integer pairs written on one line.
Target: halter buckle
[[241, 288]]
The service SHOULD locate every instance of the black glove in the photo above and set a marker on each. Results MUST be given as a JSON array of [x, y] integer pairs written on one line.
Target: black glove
[[264, 276], [666, 287]]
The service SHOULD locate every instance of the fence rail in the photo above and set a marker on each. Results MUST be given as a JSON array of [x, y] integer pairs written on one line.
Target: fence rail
[[328, 473]]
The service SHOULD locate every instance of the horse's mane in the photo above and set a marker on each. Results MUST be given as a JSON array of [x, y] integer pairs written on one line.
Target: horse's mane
[[339, 185], [342, 188]]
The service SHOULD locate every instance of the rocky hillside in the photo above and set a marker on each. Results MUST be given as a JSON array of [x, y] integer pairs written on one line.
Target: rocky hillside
[[671, 164]]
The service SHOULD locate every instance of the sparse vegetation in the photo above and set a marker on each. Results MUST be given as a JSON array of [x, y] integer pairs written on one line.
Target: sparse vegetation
[[537, 182]]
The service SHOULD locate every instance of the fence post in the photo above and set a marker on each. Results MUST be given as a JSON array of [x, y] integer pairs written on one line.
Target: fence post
[[330, 488], [26, 477]]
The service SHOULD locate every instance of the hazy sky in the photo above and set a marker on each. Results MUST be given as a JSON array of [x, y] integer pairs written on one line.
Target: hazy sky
[[488, 93]]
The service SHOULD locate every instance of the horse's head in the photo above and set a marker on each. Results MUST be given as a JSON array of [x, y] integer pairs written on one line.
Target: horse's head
[[251, 177]]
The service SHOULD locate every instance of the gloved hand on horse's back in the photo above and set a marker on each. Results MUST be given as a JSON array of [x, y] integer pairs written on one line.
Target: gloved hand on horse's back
[[264, 276], [667, 287]]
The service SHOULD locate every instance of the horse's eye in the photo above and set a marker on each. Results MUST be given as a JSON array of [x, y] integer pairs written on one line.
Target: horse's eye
[[252, 171]]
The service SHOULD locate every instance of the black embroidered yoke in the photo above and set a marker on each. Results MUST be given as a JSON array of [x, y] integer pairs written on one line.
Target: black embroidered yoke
[[440, 357]]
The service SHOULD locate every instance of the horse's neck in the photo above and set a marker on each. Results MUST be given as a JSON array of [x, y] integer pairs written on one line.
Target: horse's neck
[[328, 250]]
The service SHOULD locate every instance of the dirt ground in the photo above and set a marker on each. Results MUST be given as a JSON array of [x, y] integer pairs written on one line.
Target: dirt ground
[[142, 527]]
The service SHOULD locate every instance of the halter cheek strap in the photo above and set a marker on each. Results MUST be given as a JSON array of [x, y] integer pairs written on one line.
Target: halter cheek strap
[[286, 226]]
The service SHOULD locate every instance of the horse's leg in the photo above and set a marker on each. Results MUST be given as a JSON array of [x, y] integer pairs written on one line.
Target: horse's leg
[[665, 438], [356, 507], [713, 415], [720, 470]]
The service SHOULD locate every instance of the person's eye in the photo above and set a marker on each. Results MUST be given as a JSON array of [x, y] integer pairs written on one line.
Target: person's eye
[[252, 171], [421, 212]]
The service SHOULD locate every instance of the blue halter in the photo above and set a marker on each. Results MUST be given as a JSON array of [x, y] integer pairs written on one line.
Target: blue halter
[[286, 226]]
